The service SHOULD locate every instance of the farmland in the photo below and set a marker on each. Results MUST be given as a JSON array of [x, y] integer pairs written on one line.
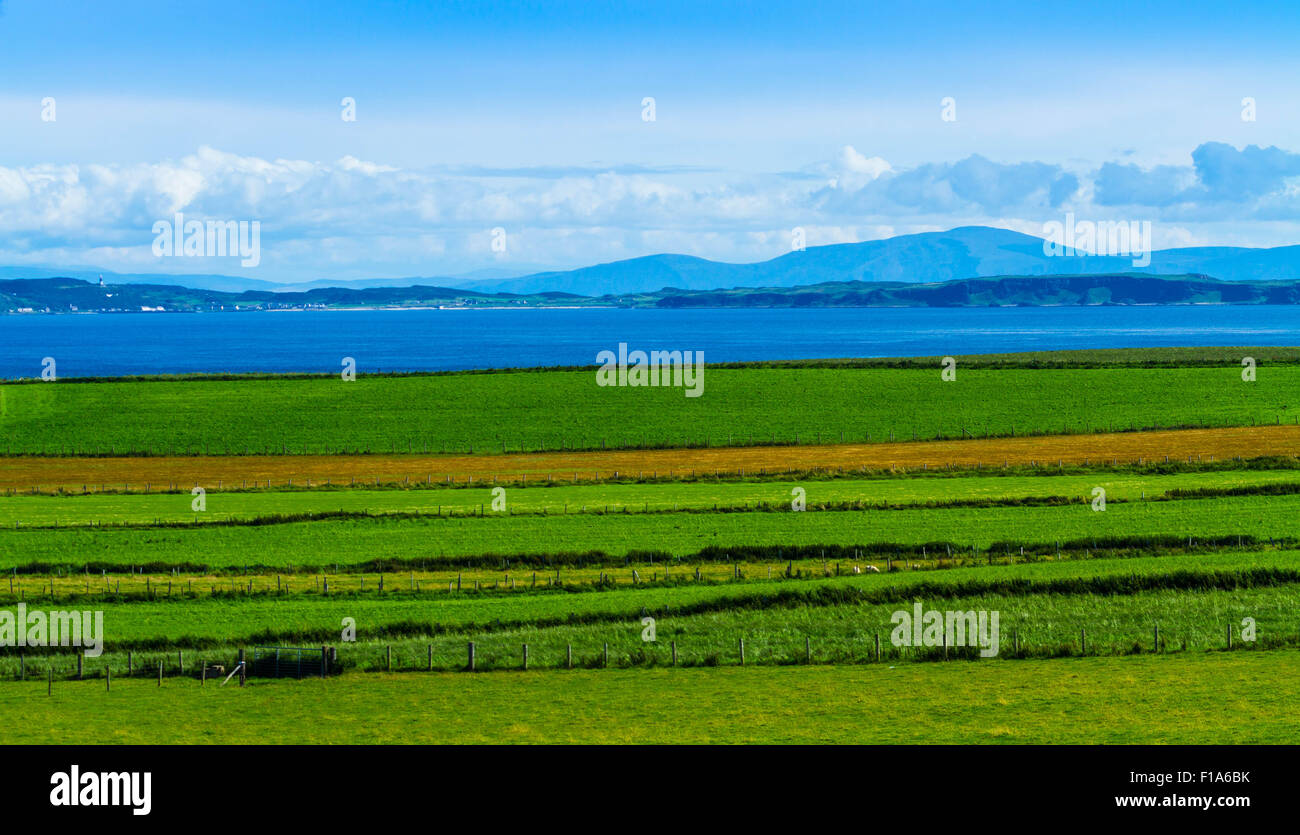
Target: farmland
[[538, 541], [1131, 518], [136, 508], [1223, 698], [144, 474], [1115, 608], [540, 411]]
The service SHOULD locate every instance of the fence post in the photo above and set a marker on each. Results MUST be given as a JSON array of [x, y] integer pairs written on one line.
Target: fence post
[[430, 657], [324, 660], [525, 656], [877, 647], [388, 657], [160, 673], [742, 652], [1083, 641], [604, 662], [243, 668], [569, 657], [471, 656], [203, 673], [1155, 639], [129, 662], [1229, 636], [807, 649], [180, 661], [674, 653]]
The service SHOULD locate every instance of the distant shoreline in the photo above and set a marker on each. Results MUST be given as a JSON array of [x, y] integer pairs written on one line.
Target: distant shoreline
[[1104, 290], [321, 310], [1057, 306]]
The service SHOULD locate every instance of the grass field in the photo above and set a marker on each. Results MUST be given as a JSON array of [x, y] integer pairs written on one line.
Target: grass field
[[422, 541], [503, 412], [1204, 699], [329, 502], [1194, 598]]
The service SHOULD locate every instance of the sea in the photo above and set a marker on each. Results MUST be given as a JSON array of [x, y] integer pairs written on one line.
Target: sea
[[112, 344]]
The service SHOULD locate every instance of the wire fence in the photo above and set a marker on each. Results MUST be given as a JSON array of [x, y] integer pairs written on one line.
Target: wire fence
[[1014, 644]]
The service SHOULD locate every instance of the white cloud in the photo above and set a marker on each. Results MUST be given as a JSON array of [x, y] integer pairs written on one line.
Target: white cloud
[[855, 163], [351, 163], [366, 218]]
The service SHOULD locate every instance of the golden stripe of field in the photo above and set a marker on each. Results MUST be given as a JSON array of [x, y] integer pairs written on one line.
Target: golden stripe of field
[[234, 471]]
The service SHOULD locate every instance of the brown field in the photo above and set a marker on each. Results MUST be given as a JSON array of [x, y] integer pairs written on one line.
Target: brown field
[[214, 472]]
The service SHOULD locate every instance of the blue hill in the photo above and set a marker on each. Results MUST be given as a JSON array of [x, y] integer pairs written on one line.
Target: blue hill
[[965, 252]]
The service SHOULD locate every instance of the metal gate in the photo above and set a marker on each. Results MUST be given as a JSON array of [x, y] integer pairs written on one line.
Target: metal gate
[[290, 662]]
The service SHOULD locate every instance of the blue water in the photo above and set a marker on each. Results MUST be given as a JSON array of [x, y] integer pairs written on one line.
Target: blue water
[[415, 340]]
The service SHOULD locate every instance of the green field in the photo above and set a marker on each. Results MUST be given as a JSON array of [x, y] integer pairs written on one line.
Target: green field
[[566, 409], [1173, 615], [1193, 597], [1217, 698], [425, 540]]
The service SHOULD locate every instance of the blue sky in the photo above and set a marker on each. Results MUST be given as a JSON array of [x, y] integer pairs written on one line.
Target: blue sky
[[527, 117]]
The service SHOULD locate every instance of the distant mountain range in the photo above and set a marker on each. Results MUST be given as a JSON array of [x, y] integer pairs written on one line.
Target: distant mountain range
[[66, 295], [928, 257], [966, 252]]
